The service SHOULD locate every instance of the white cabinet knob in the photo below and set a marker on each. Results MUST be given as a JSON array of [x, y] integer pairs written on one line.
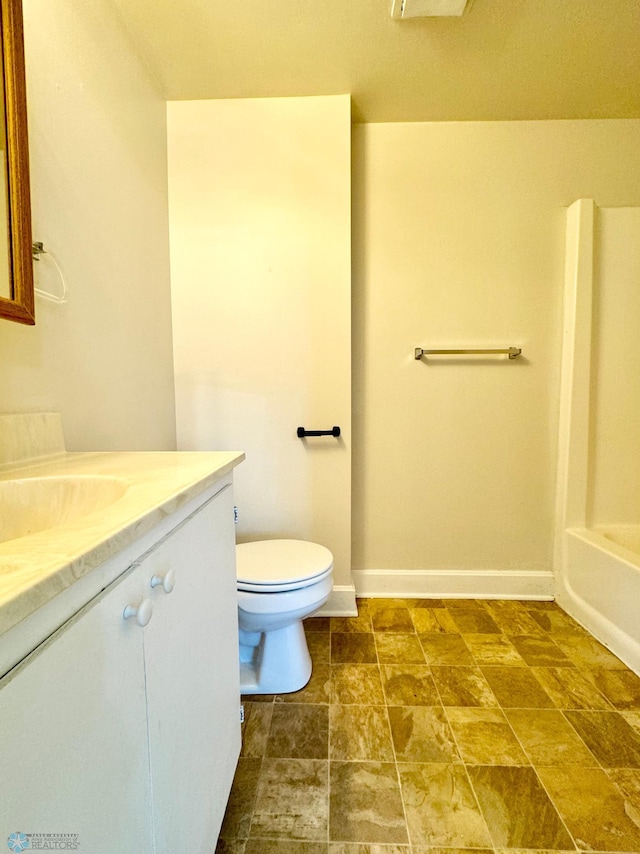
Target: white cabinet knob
[[142, 612], [167, 580]]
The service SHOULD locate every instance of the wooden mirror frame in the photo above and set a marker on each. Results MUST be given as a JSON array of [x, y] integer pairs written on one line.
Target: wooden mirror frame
[[20, 306]]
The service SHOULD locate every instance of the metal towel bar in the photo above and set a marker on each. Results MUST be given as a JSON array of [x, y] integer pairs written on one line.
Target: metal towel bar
[[511, 352]]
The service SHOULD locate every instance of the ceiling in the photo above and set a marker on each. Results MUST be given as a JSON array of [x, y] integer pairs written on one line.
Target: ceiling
[[502, 60]]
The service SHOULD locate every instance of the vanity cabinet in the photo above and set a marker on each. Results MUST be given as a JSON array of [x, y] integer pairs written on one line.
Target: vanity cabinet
[[192, 679], [126, 732], [73, 732]]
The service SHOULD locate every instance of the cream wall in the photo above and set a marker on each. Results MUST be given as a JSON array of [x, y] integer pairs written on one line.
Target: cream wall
[[459, 236], [97, 131], [260, 207]]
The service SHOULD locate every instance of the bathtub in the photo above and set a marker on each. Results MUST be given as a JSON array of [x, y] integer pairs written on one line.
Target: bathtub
[[627, 536], [600, 586]]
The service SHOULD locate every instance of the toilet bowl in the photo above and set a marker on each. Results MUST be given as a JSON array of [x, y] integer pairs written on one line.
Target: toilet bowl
[[280, 582]]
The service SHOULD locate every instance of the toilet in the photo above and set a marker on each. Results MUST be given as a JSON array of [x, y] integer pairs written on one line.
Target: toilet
[[280, 582]]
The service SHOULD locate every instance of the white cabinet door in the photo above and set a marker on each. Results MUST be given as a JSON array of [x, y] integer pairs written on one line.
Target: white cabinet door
[[193, 693], [73, 732]]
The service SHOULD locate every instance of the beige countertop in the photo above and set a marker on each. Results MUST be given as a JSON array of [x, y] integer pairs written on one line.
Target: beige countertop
[[37, 567]]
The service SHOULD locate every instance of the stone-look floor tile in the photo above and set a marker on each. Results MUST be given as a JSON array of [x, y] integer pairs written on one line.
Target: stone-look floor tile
[[465, 604], [517, 687], [422, 734], [353, 648], [366, 805], [493, 649], [517, 623], [299, 731], [463, 686], [628, 781], [587, 652], [361, 623], [569, 688], [541, 605], [484, 737], [548, 738], [433, 621], [557, 622], [357, 848], [610, 738], [419, 849], [440, 807], [230, 846], [258, 698], [478, 622], [633, 719], [620, 687], [317, 689], [316, 624], [593, 808], [255, 729], [382, 604], [319, 644], [530, 851], [517, 809], [284, 846], [408, 685], [296, 818], [503, 606], [445, 649], [425, 603], [237, 818], [399, 649], [393, 619], [292, 801], [540, 651], [359, 733], [358, 684]]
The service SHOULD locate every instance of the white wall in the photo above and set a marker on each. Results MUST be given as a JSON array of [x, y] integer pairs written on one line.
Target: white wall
[[614, 494], [97, 132], [459, 236]]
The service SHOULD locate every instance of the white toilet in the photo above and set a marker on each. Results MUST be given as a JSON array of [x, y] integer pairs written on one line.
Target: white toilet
[[280, 582]]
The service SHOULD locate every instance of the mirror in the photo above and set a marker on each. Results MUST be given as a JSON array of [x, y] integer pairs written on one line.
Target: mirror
[[16, 265]]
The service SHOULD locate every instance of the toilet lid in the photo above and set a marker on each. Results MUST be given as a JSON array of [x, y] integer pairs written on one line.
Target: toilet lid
[[271, 566]]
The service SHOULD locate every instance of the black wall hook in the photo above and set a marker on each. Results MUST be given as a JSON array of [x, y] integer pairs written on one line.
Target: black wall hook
[[335, 431]]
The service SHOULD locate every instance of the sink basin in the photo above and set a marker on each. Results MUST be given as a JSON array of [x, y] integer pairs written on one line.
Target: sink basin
[[33, 504]]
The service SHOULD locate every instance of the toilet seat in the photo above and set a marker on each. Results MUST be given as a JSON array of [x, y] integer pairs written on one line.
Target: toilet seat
[[276, 566]]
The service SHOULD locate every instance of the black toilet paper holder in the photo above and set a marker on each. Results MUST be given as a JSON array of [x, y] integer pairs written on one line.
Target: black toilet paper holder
[[302, 433]]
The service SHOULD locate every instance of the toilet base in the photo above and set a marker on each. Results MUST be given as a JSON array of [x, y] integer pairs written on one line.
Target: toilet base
[[274, 662]]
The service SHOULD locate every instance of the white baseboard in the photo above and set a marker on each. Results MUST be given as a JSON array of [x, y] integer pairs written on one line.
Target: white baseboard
[[453, 584], [341, 603]]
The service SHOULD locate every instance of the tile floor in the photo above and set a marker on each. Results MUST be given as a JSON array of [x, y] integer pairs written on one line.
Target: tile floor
[[442, 727]]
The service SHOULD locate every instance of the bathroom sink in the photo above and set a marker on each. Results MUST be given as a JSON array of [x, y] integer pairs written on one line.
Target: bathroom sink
[[33, 504]]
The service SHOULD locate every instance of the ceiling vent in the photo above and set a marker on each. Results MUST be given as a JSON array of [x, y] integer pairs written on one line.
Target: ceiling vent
[[427, 8]]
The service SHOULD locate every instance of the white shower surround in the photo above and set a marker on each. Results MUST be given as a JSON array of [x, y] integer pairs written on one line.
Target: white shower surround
[[597, 565]]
